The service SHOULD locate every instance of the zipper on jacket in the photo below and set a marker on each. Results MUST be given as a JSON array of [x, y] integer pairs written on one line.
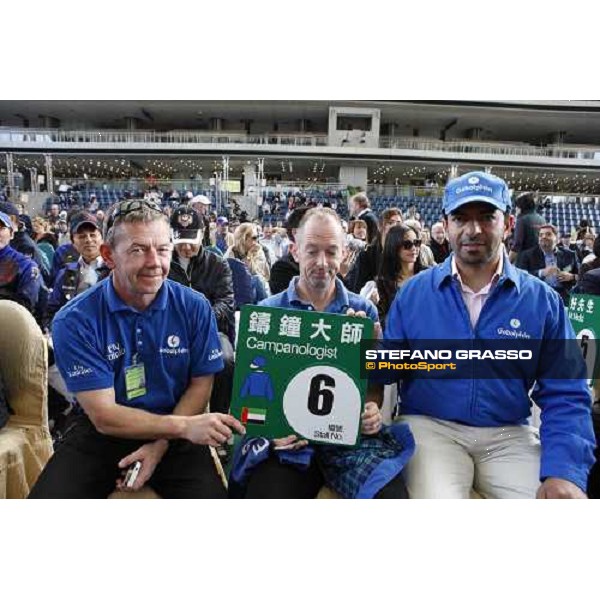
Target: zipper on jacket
[[187, 277], [484, 309], [465, 313]]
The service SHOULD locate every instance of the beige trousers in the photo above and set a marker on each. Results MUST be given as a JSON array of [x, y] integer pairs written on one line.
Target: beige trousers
[[451, 459]]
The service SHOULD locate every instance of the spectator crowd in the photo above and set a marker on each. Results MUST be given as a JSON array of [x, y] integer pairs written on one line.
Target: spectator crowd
[[87, 273]]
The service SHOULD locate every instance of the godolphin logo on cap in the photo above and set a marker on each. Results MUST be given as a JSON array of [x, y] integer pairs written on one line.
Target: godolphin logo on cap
[[473, 180], [515, 323]]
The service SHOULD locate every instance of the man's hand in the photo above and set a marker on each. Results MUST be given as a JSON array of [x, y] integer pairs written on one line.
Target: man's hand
[[555, 489], [549, 271], [566, 277], [371, 419], [291, 442], [212, 429], [347, 262], [149, 455], [361, 314]]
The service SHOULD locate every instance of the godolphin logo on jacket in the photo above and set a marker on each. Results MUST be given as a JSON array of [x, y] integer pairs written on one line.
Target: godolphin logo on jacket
[[215, 353], [513, 333], [79, 371], [174, 349], [114, 351]]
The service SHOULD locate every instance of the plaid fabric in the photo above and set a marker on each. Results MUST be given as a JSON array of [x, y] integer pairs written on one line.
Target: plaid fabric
[[362, 471]]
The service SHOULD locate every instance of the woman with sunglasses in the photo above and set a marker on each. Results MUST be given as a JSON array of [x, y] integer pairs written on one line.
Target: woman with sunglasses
[[247, 248], [401, 260]]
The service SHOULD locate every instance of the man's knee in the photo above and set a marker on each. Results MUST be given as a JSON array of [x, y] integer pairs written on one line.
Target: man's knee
[[188, 471], [67, 476], [440, 466], [510, 470]]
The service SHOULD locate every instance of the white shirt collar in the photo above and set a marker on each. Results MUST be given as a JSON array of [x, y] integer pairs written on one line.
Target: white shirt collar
[[95, 264]]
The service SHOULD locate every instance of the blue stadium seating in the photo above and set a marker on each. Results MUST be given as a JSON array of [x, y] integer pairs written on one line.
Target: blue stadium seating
[[565, 215]]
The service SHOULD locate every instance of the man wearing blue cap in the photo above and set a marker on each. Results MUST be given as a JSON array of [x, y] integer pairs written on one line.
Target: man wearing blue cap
[[473, 433], [77, 276], [22, 243], [20, 278]]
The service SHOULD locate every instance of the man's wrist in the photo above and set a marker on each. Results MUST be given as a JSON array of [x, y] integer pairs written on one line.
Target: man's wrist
[[162, 444], [177, 427]]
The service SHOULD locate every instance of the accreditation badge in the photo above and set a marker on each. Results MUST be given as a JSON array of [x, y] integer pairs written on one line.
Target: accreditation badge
[[135, 381]]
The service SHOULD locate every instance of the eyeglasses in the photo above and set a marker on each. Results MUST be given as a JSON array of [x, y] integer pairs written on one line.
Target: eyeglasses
[[409, 244], [126, 207]]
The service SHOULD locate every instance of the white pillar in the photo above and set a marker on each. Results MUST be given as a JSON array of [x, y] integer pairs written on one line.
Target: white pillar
[[49, 173]]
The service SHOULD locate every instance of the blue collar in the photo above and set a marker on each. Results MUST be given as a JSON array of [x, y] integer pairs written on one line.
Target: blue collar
[[443, 273], [339, 304], [116, 304]]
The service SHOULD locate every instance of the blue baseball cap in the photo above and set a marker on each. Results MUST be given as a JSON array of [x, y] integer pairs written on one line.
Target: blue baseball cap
[[5, 220], [476, 187], [81, 219], [258, 362], [8, 208]]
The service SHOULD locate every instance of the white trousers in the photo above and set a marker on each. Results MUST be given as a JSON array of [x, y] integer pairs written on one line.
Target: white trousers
[[451, 459]]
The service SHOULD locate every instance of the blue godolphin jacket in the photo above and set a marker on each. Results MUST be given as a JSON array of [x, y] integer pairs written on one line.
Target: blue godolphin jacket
[[430, 307]]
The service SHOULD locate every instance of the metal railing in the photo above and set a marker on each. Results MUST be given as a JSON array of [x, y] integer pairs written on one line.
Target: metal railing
[[50, 136], [494, 148], [47, 137]]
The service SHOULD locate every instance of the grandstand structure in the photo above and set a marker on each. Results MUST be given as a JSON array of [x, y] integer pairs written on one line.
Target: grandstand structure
[[400, 152]]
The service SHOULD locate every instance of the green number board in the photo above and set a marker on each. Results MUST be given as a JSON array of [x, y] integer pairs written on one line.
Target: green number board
[[298, 371], [584, 313]]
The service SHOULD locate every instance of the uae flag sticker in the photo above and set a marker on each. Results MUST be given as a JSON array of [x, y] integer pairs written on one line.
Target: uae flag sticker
[[258, 416]]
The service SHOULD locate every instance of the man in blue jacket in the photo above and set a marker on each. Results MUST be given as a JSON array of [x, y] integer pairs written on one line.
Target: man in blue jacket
[[473, 433], [77, 276], [20, 278]]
